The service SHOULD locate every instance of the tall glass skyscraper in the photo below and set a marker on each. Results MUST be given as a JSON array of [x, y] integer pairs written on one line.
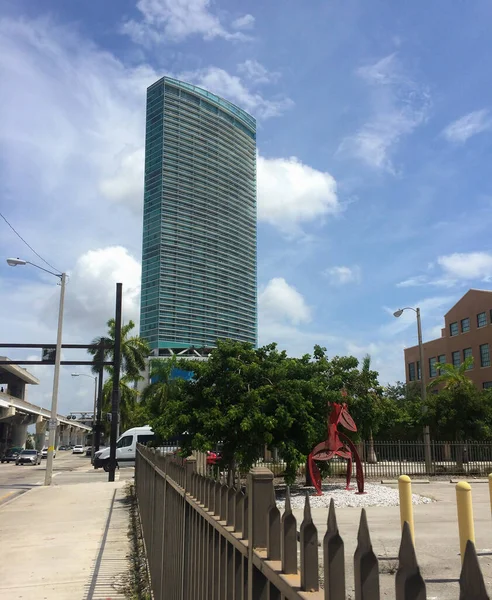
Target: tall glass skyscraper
[[199, 223]]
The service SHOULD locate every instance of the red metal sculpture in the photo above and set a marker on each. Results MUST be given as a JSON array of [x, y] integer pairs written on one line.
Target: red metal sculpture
[[337, 444]]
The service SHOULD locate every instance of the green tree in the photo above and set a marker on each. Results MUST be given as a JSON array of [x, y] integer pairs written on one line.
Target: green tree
[[134, 350], [130, 416], [134, 353], [458, 411]]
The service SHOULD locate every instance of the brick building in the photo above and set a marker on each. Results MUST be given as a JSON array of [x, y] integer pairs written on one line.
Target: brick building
[[467, 332]]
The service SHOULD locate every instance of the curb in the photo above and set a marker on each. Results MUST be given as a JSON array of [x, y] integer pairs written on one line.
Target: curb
[[395, 481], [18, 494]]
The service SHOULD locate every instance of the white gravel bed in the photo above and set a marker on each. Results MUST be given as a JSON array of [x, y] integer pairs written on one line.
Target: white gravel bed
[[377, 495]]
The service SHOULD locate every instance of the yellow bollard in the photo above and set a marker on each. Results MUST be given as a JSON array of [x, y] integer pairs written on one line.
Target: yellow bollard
[[406, 507], [465, 515], [490, 491]]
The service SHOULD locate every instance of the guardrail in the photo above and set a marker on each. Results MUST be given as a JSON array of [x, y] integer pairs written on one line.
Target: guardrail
[[207, 541]]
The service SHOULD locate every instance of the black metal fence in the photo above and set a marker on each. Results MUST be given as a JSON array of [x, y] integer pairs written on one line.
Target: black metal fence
[[207, 541], [382, 459]]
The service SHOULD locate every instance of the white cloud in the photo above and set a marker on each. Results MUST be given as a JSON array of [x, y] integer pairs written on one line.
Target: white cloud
[[399, 107], [290, 192], [432, 310], [174, 21], [465, 127], [456, 269], [244, 22], [414, 281], [280, 302], [92, 284], [232, 88], [342, 275], [467, 266], [256, 72]]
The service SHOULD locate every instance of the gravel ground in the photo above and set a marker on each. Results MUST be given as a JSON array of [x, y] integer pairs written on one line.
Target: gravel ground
[[377, 495]]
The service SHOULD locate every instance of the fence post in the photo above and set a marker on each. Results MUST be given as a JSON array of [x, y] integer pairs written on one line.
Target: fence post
[[333, 559], [190, 466], [406, 508], [465, 515], [309, 551], [490, 491], [260, 484], [366, 572]]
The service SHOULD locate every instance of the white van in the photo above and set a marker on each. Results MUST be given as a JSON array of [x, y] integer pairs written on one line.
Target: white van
[[126, 447]]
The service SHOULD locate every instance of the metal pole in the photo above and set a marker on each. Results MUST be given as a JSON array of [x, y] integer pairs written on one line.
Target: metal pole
[[115, 400], [94, 426], [427, 446], [56, 379], [100, 379]]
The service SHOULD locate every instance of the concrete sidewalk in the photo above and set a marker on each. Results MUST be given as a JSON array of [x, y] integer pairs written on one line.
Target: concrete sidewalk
[[436, 538], [65, 542]]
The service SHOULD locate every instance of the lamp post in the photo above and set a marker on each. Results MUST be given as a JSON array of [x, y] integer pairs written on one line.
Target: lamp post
[[14, 262], [427, 445], [94, 411]]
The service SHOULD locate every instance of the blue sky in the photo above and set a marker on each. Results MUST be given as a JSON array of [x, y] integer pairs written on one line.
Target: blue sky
[[374, 130]]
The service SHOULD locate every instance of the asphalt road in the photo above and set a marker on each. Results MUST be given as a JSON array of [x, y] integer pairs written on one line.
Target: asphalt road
[[68, 469]]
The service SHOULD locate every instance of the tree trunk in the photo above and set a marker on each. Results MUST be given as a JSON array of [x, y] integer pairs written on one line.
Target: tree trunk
[[371, 454]]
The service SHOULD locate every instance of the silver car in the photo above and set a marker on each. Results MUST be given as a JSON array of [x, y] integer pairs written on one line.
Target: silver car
[[29, 457]]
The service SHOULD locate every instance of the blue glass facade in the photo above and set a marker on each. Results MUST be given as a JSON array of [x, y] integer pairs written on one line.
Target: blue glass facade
[[199, 223]]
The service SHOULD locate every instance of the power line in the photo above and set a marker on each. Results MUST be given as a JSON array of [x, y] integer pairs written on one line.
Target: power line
[[30, 247]]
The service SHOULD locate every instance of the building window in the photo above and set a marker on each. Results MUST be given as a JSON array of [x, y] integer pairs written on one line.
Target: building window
[[453, 328], [432, 367], [411, 371], [456, 358], [441, 359], [481, 319], [465, 325], [418, 371], [487, 385], [467, 353], [484, 355]]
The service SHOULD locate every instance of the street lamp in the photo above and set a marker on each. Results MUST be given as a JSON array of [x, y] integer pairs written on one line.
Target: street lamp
[[94, 411], [14, 262], [427, 446]]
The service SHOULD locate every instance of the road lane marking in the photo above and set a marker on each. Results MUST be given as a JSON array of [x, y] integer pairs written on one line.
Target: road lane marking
[[2, 498]]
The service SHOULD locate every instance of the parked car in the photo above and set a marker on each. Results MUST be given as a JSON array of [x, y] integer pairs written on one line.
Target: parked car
[[88, 451], [78, 449], [29, 457], [44, 453], [11, 454], [213, 457], [61, 448]]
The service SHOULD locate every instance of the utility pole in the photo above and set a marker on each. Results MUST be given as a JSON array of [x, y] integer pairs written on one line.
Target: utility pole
[[115, 399], [97, 441], [53, 422]]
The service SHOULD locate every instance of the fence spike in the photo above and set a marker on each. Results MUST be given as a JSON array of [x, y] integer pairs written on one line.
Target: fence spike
[[471, 578], [309, 551], [365, 564], [333, 558], [289, 538], [273, 532], [409, 583]]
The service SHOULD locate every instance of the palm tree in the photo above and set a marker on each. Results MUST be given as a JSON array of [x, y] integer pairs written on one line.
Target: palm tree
[[128, 399], [134, 350], [453, 378], [161, 388], [366, 381]]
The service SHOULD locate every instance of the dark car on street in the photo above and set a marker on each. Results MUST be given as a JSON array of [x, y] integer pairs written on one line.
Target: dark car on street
[[29, 457], [11, 454]]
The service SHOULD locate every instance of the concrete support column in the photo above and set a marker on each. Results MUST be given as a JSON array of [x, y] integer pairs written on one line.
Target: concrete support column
[[40, 435], [19, 435]]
